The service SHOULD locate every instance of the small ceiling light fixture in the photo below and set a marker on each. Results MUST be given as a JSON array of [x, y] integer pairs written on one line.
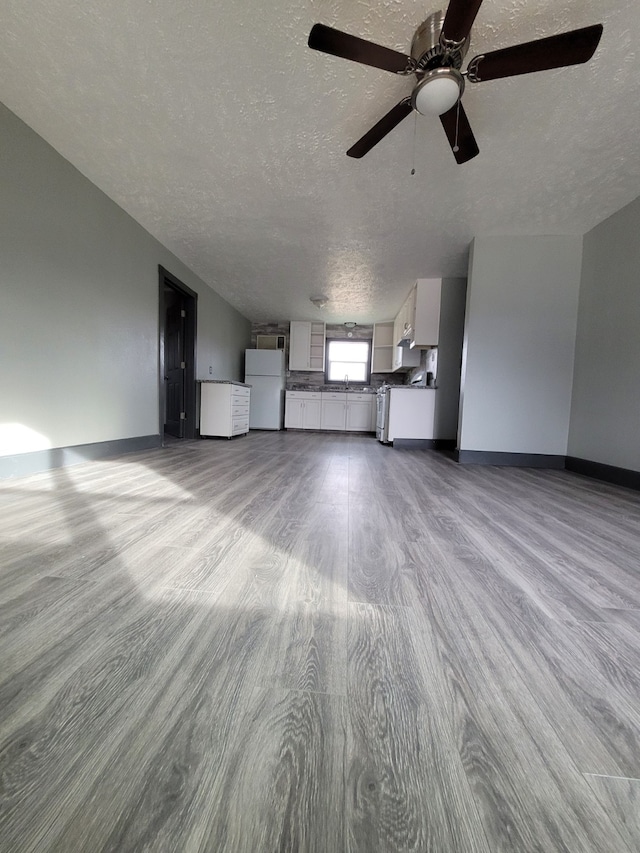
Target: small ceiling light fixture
[[438, 91], [350, 324], [319, 301]]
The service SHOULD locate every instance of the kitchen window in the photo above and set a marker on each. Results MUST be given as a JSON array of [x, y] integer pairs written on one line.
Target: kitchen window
[[348, 361]]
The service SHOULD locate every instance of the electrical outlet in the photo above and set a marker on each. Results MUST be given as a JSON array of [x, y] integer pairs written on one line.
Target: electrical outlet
[[210, 370]]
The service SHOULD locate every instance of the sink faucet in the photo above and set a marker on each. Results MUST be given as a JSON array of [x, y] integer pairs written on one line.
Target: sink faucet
[[346, 382]]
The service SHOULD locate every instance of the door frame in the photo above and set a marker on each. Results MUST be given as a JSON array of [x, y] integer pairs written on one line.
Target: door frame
[[190, 302]]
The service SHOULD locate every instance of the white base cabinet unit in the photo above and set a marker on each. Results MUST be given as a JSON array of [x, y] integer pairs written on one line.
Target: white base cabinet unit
[[224, 408], [347, 411], [411, 413], [302, 410], [359, 413], [306, 345]]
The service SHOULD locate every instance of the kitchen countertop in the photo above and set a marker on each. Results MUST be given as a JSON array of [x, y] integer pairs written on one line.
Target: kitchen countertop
[[224, 382], [414, 387], [297, 386], [354, 389]]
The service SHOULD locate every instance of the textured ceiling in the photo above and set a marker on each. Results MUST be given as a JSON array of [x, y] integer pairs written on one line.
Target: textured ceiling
[[215, 126]]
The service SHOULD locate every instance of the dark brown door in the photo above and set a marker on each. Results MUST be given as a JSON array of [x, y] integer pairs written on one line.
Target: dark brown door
[[174, 364], [178, 319]]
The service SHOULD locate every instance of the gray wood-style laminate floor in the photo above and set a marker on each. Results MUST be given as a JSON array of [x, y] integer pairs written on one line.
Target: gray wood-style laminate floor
[[310, 642]]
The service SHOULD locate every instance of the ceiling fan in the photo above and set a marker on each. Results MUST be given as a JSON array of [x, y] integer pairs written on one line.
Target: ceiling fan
[[438, 49]]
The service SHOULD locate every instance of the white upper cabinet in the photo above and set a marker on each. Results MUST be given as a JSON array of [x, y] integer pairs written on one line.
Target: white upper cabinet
[[426, 321], [383, 347], [306, 345], [418, 321], [404, 357], [403, 325]]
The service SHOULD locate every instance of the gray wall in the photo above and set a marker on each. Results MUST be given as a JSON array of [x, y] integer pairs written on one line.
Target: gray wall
[[79, 309], [605, 409], [522, 302]]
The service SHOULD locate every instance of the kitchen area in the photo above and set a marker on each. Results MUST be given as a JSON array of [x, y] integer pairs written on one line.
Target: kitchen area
[[398, 380]]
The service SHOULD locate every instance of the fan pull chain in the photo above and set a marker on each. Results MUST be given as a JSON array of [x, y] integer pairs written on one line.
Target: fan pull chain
[[456, 147], [413, 157]]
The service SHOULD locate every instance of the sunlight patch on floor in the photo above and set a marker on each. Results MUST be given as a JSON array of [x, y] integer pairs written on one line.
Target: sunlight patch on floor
[[108, 477]]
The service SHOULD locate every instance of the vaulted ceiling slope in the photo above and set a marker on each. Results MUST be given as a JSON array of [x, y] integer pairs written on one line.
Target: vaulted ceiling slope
[[219, 130]]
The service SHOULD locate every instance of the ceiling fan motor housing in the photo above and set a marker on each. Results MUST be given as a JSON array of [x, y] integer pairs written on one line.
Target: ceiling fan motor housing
[[427, 50], [437, 67]]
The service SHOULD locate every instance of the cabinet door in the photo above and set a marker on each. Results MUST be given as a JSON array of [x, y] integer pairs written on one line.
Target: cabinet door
[[396, 361], [299, 345], [410, 313], [215, 409], [427, 311], [312, 414], [293, 413], [358, 416], [404, 319], [333, 414], [403, 326]]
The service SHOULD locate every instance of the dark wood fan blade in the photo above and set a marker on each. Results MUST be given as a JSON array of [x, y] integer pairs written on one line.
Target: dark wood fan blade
[[570, 48], [459, 19], [456, 126], [381, 129], [351, 47]]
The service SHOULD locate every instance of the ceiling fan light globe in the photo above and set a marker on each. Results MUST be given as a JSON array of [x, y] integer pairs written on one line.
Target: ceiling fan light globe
[[438, 91]]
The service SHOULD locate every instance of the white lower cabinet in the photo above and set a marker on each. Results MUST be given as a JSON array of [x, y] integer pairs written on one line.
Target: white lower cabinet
[[333, 410], [411, 413], [293, 414], [359, 413], [224, 408], [302, 410], [338, 411], [347, 412]]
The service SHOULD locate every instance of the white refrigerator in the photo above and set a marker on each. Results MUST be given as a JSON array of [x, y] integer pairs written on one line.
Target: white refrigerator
[[264, 371]]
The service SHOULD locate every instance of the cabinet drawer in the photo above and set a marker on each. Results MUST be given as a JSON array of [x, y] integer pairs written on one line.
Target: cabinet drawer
[[239, 425], [238, 391], [239, 408], [303, 395], [335, 395], [359, 398]]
